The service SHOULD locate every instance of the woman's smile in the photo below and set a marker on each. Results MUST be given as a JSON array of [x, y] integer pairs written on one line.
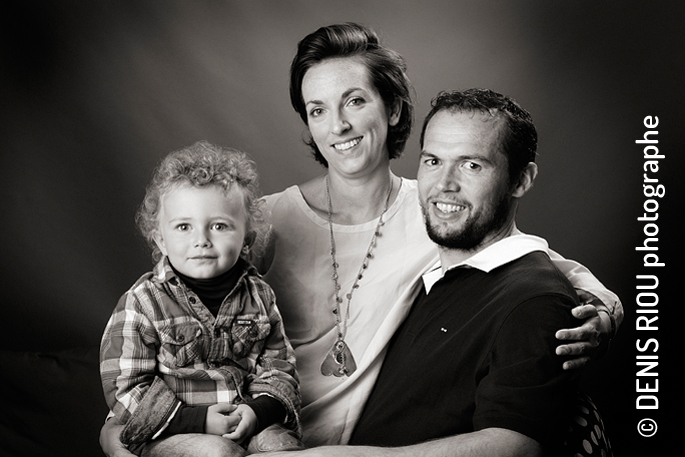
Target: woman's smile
[[347, 144]]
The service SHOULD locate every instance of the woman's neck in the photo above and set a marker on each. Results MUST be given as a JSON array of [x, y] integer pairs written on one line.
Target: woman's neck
[[352, 201]]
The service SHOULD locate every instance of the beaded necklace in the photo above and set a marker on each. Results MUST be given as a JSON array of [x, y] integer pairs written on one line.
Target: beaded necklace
[[339, 360]]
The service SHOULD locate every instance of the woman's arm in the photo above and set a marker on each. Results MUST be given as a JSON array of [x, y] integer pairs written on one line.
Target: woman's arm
[[600, 310]]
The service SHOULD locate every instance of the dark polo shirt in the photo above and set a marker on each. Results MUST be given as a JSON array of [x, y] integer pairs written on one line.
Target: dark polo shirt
[[476, 352]]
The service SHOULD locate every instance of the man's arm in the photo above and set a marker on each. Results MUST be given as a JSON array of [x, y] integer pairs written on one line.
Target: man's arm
[[492, 442]]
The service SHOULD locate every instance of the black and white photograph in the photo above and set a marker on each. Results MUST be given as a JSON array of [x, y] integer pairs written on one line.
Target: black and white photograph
[[325, 228]]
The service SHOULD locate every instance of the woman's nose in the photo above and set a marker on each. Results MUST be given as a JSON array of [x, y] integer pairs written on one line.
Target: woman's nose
[[340, 124]]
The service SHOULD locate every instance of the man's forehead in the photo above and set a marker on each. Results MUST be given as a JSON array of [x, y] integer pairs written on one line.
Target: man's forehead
[[456, 126]]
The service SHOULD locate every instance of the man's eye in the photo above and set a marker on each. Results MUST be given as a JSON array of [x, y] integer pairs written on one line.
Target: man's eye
[[472, 166]]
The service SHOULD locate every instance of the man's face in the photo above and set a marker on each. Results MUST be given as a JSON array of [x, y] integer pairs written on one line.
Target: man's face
[[463, 180]]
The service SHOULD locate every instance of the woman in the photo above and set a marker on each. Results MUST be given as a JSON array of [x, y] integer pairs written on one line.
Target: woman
[[350, 245]]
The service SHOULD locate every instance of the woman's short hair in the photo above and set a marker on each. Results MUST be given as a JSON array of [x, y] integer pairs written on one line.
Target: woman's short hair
[[386, 68], [202, 164]]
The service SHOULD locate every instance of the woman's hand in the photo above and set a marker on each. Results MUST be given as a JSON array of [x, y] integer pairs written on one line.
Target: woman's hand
[[588, 336], [109, 439]]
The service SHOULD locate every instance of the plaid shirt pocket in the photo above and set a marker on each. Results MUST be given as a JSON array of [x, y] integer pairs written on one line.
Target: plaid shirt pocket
[[181, 344], [248, 333]]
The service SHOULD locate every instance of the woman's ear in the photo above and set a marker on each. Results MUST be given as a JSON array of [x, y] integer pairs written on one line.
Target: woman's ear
[[395, 112], [526, 180]]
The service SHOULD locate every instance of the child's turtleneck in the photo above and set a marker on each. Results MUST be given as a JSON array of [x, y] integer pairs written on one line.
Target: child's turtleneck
[[212, 291]]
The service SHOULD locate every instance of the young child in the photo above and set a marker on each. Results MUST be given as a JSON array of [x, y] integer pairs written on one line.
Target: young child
[[194, 359]]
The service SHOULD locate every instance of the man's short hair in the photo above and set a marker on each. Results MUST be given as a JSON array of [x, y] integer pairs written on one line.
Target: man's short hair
[[519, 140]]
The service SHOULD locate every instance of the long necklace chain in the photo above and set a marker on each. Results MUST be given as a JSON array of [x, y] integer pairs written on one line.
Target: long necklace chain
[[340, 351]]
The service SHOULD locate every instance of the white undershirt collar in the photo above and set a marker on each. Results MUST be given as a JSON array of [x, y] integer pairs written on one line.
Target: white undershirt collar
[[497, 254]]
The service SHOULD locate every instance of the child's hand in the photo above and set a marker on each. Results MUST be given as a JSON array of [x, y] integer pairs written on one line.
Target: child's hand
[[221, 419], [247, 425]]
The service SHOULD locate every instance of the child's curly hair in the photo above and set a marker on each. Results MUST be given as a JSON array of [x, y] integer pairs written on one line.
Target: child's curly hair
[[203, 164]]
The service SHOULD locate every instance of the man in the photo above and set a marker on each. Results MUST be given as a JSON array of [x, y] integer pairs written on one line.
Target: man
[[472, 370]]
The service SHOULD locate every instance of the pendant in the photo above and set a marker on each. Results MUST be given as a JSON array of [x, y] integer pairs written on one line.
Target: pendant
[[339, 360]]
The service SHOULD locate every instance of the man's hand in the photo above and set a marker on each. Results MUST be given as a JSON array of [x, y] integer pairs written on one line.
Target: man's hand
[[109, 439], [588, 336], [220, 419]]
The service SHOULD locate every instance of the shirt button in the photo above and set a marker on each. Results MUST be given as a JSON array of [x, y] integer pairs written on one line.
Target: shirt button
[[192, 300]]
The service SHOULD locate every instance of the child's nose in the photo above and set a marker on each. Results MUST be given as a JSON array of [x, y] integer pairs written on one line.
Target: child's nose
[[202, 240]]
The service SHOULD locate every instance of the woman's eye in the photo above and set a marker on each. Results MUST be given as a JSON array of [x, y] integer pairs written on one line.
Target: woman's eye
[[356, 101], [316, 112]]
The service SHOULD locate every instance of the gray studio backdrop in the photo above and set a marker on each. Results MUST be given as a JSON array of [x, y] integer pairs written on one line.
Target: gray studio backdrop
[[95, 93]]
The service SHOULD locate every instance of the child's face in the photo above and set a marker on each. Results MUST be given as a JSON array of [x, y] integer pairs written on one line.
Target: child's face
[[201, 229]]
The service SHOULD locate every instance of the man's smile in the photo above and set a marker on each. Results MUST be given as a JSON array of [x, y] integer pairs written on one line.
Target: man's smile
[[449, 207]]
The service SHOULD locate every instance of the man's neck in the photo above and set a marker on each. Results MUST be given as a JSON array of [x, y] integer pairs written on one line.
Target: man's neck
[[452, 257]]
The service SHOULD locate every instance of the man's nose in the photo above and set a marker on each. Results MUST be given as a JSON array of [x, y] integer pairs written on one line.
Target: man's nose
[[449, 180]]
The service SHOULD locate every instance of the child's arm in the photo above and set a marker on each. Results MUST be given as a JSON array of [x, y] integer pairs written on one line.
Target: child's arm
[[134, 393], [127, 357], [274, 372]]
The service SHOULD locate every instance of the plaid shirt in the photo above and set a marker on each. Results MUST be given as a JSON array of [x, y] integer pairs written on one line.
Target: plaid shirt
[[160, 328]]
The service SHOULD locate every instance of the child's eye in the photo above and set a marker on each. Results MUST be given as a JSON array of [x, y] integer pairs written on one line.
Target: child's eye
[[220, 227], [183, 227]]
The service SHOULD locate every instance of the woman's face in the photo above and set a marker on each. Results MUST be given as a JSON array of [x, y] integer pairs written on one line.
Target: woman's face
[[347, 117]]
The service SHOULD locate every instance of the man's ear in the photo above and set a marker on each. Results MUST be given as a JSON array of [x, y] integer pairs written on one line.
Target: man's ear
[[526, 180], [395, 112], [159, 241]]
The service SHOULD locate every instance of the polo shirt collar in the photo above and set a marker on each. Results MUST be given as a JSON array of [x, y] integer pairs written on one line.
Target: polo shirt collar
[[497, 254]]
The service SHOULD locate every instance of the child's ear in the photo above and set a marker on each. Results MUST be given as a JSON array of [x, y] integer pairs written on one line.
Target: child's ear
[[250, 238], [159, 241]]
